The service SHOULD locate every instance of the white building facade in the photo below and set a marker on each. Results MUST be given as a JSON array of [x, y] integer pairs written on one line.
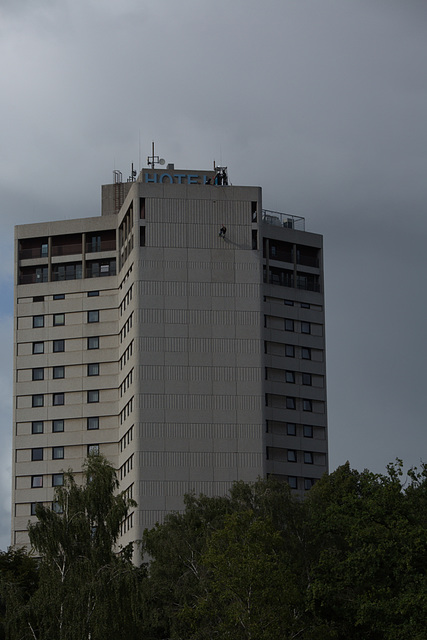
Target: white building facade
[[188, 357]]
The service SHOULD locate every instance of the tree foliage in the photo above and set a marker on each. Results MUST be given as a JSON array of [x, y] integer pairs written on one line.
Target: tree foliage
[[87, 587], [348, 561]]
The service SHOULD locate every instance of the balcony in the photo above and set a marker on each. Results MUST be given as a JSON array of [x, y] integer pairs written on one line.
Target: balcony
[[285, 220]]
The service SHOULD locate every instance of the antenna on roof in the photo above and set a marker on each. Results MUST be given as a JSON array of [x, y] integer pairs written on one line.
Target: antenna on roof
[[152, 160]]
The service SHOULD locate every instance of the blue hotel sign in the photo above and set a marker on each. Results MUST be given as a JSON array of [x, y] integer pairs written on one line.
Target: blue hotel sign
[[171, 177]]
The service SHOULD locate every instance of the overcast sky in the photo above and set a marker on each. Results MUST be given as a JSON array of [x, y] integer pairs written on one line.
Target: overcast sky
[[323, 103]]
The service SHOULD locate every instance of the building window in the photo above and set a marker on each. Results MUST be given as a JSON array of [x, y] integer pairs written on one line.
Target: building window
[[306, 379], [290, 402], [308, 431], [306, 353], [33, 508], [37, 426], [57, 426], [292, 455], [305, 305], [142, 236], [92, 423], [38, 400], [38, 322], [38, 373], [57, 480], [305, 327], [38, 347], [58, 319], [37, 454], [290, 377], [289, 351], [57, 453], [93, 342], [56, 507], [92, 294], [293, 482], [289, 325], [36, 482], [307, 405], [59, 296], [289, 303], [93, 369], [93, 449], [58, 345], [308, 483], [93, 395], [58, 372], [291, 428], [93, 316], [58, 398], [308, 457]]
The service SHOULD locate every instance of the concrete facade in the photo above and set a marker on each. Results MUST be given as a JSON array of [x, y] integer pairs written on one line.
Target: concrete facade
[[188, 359]]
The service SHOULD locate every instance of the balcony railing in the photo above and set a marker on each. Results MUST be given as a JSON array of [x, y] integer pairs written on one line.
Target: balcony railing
[[34, 252], [286, 220]]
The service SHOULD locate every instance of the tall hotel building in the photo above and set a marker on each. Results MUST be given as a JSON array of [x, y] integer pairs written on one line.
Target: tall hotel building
[[189, 358]]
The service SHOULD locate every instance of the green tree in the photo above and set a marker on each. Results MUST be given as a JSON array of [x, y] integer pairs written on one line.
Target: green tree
[[183, 577], [18, 582], [368, 549], [251, 592], [87, 588]]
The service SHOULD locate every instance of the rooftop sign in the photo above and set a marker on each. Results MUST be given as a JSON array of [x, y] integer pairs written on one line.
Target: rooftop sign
[[172, 176]]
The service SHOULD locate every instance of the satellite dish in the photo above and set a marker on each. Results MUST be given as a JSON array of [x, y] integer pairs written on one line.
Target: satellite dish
[[162, 161]]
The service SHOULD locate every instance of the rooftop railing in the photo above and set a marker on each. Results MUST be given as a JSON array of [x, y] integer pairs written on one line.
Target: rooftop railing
[[286, 220]]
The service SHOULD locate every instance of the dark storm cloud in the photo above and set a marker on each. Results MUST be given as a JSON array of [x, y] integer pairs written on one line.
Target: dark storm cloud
[[322, 103]]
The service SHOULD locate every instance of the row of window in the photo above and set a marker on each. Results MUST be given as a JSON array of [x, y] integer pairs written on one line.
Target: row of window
[[292, 455], [291, 428], [55, 507], [59, 398], [290, 402], [127, 439], [290, 350], [58, 319], [126, 383], [59, 345], [37, 453], [292, 303], [38, 426], [126, 300], [59, 372], [287, 323], [126, 327], [126, 355], [290, 376], [61, 296], [308, 482]]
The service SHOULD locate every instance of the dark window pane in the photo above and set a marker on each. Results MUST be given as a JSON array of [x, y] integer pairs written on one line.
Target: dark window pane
[[36, 481], [38, 322], [57, 426], [93, 316], [37, 426], [93, 369], [92, 423], [38, 400], [38, 347], [93, 342]]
